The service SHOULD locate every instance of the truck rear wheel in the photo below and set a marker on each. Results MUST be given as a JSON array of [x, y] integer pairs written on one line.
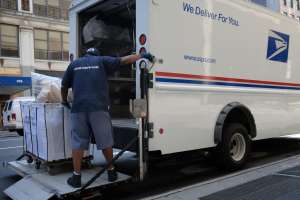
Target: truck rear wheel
[[234, 149]]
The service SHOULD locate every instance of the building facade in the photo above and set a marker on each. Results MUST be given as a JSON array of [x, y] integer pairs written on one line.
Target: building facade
[[290, 8], [34, 36], [271, 4]]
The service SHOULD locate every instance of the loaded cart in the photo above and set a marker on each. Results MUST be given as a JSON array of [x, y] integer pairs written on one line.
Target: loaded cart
[[47, 135]]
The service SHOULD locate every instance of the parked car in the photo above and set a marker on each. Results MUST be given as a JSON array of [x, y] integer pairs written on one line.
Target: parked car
[[12, 118]]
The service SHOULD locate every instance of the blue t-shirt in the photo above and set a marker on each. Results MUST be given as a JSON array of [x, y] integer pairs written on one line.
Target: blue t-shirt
[[87, 76]]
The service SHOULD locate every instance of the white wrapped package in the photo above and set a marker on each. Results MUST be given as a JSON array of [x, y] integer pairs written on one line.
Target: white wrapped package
[[33, 124], [46, 89], [25, 110], [48, 131], [51, 133]]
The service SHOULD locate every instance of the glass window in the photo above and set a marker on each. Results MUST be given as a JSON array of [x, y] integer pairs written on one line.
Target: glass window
[[65, 46], [9, 41], [51, 8], [51, 45], [54, 3], [5, 106], [9, 105], [8, 4], [25, 5], [41, 44], [292, 3], [40, 7], [65, 9], [55, 51]]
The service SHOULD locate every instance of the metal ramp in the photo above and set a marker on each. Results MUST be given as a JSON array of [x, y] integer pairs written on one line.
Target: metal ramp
[[37, 184]]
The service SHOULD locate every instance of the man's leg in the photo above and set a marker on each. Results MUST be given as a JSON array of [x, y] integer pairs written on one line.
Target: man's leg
[[102, 128], [80, 142], [108, 154], [77, 158]]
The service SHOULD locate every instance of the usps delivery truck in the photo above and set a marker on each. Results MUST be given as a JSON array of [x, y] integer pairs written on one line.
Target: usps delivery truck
[[226, 72]]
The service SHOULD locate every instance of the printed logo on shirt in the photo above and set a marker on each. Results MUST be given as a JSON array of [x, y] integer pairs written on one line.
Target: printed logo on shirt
[[86, 68]]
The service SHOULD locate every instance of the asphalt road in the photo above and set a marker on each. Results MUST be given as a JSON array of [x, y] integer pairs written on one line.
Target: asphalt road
[[11, 147], [164, 175]]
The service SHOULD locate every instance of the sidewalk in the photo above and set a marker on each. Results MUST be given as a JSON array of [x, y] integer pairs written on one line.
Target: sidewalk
[[277, 180]]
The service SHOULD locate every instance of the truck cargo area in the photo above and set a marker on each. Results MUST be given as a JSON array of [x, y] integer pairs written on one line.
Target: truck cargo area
[[110, 27]]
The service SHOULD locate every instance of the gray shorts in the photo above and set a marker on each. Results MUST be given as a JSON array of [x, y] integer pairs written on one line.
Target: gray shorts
[[97, 123]]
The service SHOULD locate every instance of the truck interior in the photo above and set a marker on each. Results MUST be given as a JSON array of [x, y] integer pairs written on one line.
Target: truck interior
[[109, 26]]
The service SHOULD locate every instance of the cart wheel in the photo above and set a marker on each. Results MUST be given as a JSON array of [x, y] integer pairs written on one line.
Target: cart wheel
[[29, 160], [38, 164], [88, 164], [50, 170]]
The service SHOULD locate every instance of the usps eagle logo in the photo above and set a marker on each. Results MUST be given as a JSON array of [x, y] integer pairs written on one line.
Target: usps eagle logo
[[278, 46]]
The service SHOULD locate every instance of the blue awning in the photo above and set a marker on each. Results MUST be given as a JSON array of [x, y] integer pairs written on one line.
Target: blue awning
[[13, 84]]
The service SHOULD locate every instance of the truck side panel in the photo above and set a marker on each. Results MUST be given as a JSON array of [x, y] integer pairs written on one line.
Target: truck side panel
[[216, 52]]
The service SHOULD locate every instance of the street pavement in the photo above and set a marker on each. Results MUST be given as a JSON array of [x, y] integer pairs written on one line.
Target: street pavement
[[165, 175], [11, 147]]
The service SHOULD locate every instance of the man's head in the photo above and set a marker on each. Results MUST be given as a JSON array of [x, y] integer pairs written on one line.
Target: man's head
[[93, 51]]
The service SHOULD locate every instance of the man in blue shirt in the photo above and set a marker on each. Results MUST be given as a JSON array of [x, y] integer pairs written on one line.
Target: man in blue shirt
[[87, 76]]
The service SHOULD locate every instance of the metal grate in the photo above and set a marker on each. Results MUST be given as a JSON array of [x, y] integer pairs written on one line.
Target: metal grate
[[267, 188]]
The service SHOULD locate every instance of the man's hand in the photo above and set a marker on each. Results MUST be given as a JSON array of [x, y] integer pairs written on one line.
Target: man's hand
[[148, 56], [66, 104]]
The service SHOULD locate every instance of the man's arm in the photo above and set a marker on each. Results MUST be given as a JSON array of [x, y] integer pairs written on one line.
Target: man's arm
[[126, 60], [64, 93], [66, 83], [112, 64]]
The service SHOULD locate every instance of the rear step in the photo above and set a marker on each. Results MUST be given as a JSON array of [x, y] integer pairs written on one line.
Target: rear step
[[39, 185]]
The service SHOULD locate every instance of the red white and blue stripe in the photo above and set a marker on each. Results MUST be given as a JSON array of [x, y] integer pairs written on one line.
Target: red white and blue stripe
[[169, 77]]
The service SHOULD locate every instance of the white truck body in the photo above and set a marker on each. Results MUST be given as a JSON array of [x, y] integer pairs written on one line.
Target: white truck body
[[213, 53], [227, 72]]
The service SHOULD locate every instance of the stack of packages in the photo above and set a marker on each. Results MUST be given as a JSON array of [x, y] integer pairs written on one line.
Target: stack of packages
[[47, 132]]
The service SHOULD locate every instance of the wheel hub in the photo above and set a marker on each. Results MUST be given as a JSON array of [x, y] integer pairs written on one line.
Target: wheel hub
[[237, 147]]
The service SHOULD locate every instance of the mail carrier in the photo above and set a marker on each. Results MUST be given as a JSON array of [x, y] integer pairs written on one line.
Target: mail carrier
[[226, 73]]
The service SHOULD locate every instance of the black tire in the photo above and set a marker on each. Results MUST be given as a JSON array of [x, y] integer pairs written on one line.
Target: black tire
[[234, 150], [38, 164], [20, 132], [29, 160]]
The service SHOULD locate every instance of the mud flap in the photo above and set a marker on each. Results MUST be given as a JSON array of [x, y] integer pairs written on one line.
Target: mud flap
[[28, 189]]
